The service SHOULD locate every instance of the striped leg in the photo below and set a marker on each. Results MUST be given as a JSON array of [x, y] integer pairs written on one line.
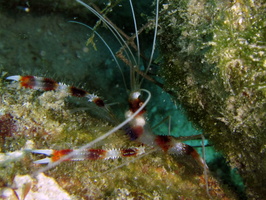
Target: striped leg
[[47, 84], [87, 154]]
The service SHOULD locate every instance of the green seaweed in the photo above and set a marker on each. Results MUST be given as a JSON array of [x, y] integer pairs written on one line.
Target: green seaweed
[[214, 65]]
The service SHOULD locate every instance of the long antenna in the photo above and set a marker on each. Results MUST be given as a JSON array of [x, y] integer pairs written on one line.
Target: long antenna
[[133, 75], [108, 47], [154, 38], [117, 35]]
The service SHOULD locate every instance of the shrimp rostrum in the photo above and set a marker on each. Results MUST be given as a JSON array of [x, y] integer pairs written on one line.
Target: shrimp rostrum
[[127, 159]]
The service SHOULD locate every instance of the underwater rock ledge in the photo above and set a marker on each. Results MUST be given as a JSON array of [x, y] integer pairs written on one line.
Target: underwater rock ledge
[[215, 65]]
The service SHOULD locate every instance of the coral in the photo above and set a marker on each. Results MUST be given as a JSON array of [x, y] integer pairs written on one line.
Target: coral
[[214, 65]]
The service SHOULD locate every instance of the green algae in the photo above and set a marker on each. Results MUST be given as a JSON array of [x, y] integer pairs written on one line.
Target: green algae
[[214, 64]]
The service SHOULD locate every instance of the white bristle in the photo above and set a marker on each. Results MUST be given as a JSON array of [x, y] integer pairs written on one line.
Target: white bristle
[[113, 154], [141, 150]]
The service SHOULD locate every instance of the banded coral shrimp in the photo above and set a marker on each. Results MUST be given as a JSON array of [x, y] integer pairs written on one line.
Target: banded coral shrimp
[[145, 179]]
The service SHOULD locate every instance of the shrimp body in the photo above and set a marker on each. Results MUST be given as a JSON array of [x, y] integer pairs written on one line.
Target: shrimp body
[[135, 125], [137, 128], [140, 131]]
